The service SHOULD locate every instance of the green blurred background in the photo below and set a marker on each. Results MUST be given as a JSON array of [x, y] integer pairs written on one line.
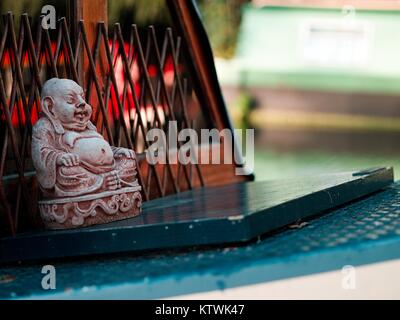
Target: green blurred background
[[319, 80]]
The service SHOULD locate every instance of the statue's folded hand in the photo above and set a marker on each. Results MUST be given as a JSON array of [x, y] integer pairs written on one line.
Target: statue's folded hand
[[113, 181], [68, 160]]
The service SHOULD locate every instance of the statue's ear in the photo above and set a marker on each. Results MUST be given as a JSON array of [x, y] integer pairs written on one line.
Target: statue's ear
[[48, 109], [47, 106]]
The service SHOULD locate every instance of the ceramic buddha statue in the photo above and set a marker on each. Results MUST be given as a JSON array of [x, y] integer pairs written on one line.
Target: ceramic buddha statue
[[83, 179]]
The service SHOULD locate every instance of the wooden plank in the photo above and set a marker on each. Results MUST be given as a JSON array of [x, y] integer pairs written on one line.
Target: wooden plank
[[207, 216], [201, 63]]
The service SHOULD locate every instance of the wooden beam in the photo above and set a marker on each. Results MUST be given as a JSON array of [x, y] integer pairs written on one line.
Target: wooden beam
[[91, 12], [188, 24]]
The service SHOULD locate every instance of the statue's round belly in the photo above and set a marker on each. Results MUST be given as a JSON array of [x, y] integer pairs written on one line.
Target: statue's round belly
[[94, 151]]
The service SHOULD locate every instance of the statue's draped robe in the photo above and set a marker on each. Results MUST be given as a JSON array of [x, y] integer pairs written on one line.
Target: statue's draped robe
[[86, 178]]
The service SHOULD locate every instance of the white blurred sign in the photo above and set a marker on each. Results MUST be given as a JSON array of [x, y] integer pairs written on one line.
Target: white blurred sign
[[341, 42]]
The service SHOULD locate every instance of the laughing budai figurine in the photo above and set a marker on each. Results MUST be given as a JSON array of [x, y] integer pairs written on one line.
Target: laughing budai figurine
[[83, 179]]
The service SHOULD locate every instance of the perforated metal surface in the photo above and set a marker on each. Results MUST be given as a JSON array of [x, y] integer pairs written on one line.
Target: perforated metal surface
[[363, 232]]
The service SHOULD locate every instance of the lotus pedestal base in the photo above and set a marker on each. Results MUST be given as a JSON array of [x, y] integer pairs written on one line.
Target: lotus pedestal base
[[87, 210]]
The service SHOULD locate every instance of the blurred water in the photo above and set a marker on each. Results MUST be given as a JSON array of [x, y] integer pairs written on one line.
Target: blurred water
[[271, 164]]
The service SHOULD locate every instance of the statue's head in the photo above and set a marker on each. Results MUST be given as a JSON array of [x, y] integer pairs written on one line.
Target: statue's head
[[63, 102]]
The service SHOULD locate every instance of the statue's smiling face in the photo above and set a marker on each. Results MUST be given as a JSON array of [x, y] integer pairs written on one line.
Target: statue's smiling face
[[69, 105]]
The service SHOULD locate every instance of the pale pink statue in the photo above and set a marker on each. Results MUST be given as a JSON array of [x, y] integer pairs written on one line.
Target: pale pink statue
[[84, 180]]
